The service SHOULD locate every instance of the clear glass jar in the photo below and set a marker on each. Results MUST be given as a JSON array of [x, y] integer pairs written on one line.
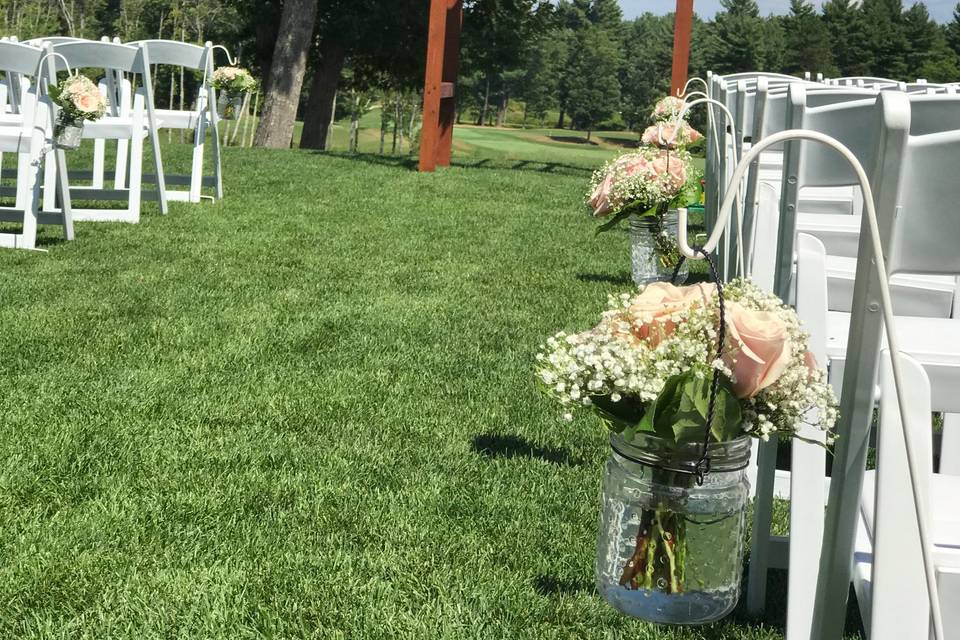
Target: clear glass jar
[[67, 134], [653, 249], [229, 106], [670, 551]]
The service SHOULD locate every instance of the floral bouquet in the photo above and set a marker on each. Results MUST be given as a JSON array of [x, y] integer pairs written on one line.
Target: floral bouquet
[[232, 83], [667, 108], [667, 135], [643, 186], [670, 370], [79, 99]]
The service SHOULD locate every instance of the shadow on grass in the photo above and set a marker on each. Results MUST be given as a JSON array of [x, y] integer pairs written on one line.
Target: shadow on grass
[[775, 612], [622, 278], [626, 143], [553, 586], [410, 163], [492, 445], [573, 140]]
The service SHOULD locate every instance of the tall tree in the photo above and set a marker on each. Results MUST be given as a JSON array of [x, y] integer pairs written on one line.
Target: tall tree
[[645, 76], [286, 75], [953, 31], [925, 40], [849, 38], [594, 92], [736, 40], [807, 41], [887, 45]]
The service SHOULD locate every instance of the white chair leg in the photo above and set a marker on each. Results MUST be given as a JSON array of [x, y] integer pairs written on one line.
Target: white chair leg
[[196, 171], [120, 177], [99, 156], [136, 174], [49, 186], [63, 187], [28, 192], [217, 169], [762, 520]]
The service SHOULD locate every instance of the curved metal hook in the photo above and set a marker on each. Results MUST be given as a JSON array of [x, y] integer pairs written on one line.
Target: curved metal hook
[[716, 140], [687, 85], [230, 60], [43, 58], [869, 209]]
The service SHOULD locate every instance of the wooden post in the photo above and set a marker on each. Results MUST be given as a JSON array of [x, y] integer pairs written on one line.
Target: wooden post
[[451, 67], [682, 28], [439, 108]]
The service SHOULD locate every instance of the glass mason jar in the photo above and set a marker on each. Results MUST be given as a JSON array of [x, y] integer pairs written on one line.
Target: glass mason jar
[[671, 551], [67, 134], [229, 106], [653, 249]]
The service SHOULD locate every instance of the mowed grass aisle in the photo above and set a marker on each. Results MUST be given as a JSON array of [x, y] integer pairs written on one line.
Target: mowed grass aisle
[[308, 411]]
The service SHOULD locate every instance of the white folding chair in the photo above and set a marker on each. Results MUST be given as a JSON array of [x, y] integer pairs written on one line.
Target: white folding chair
[[812, 305], [134, 126], [850, 122], [26, 134], [888, 572], [917, 145], [201, 118]]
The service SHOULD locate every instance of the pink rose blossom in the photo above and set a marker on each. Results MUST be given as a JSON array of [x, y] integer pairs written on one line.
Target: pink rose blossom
[[757, 351]]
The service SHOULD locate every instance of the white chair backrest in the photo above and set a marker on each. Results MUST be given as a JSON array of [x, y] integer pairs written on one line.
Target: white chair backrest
[[39, 42], [102, 55], [20, 58], [924, 230], [179, 54]]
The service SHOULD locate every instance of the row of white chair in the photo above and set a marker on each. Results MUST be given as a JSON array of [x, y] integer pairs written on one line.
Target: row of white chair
[[918, 229], [132, 117]]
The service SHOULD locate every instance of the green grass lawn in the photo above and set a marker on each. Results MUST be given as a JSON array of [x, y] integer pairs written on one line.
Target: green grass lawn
[[308, 411]]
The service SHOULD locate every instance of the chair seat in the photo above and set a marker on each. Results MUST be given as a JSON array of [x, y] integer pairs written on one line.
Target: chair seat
[[944, 511], [13, 139], [112, 128], [840, 234], [933, 342], [174, 119], [913, 295]]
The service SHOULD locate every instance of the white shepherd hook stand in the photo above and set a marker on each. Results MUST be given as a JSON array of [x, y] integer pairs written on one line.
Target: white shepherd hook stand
[[887, 308]]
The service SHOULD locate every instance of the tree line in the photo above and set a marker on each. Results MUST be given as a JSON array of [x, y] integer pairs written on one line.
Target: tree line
[[572, 63]]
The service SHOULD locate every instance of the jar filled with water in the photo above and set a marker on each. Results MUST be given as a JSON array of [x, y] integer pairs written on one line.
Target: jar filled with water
[[670, 550]]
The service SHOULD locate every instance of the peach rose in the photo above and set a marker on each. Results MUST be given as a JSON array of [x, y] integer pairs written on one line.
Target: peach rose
[[666, 136], [87, 102], [600, 199], [653, 309], [758, 349], [671, 166], [630, 165]]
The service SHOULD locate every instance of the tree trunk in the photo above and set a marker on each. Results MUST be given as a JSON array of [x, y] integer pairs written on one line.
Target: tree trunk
[[323, 94], [286, 75], [502, 109], [396, 123], [482, 120], [560, 120], [384, 124], [588, 135]]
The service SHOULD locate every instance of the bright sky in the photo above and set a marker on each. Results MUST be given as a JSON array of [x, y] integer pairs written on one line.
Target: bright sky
[[941, 10]]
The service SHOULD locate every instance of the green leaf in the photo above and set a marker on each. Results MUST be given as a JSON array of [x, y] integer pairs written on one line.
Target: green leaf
[[729, 418], [613, 222]]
